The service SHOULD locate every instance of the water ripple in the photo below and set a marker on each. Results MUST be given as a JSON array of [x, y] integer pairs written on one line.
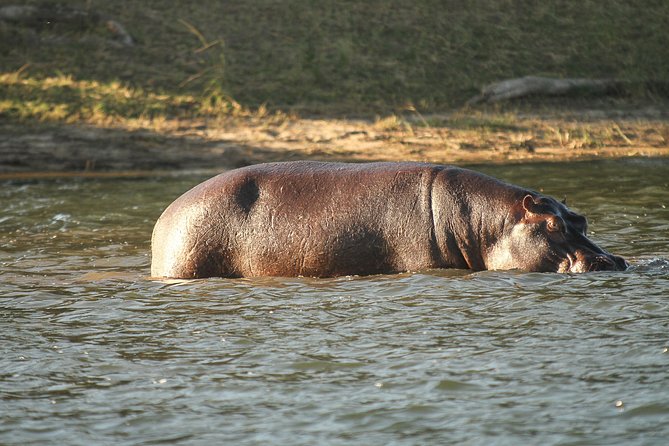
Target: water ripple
[[93, 352]]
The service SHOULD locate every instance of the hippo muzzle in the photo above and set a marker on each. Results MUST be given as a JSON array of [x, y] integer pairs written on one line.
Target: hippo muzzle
[[547, 236], [598, 262]]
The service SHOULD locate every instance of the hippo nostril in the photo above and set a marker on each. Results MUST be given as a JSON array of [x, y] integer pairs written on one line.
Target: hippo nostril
[[621, 264], [601, 263], [607, 263]]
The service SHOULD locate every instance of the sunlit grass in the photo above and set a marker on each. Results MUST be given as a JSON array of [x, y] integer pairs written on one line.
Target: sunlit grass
[[65, 99]]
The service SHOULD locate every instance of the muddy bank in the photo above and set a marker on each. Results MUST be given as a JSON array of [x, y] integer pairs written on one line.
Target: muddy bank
[[55, 149]]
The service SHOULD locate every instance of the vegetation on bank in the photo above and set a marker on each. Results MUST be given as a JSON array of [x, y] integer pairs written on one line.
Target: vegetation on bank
[[213, 59]]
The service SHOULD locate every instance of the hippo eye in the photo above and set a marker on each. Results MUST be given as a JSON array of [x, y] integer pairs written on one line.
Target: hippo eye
[[554, 225]]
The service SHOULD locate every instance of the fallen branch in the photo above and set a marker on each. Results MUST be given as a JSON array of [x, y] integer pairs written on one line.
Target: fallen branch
[[40, 16], [541, 86]]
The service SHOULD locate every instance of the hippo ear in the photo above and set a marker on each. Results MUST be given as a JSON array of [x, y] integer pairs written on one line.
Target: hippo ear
[[530, 205], [564, 201]]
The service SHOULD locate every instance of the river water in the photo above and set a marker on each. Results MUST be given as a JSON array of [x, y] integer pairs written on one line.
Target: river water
[[92, 352]]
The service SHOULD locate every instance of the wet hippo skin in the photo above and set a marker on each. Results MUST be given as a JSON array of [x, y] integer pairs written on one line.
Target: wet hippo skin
[[330, 219]]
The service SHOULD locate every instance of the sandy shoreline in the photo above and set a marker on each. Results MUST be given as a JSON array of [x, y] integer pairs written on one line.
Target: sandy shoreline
[[62, 150]]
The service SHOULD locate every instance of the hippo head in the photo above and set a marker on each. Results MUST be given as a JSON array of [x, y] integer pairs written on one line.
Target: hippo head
[[544, 235]]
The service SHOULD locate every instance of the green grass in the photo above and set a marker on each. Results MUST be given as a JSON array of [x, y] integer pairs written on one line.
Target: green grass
[[64, 99], [342, 57]]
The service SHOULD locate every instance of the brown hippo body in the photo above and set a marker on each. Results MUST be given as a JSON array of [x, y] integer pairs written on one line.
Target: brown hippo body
[[332, 219]]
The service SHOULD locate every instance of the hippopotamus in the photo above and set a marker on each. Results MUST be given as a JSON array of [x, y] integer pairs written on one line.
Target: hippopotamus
[[320, 219]]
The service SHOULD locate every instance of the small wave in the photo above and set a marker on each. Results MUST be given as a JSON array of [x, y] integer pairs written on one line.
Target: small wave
[[654, 265], [62, 217], [652, 409]]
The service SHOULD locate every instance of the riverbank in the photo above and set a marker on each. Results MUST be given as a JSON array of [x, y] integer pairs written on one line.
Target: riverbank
[[95, 88], [465, 137]]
